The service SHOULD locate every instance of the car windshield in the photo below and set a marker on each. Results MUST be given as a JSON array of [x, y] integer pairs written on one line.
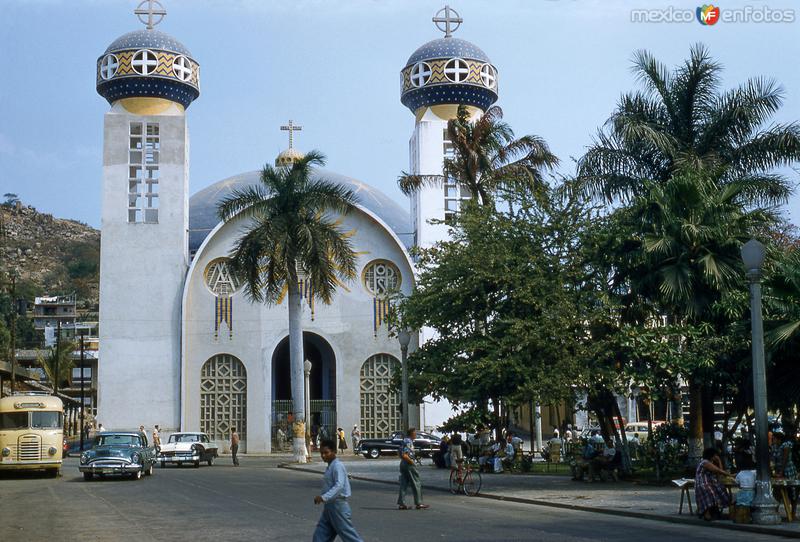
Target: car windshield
[[118, 440], [14, 420], [46, 420], [183, 438]]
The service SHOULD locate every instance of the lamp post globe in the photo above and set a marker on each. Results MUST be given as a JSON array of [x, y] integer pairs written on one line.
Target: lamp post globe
[[765, 507]]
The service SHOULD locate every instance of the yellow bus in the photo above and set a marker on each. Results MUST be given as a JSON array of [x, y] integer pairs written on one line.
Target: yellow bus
[[31, 432]]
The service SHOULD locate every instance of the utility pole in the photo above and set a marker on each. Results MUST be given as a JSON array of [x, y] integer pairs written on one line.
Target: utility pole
[[58, 355], [83, 400], [13, 332]]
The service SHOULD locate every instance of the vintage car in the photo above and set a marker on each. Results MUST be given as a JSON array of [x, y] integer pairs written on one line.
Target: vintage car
[[424, 445], [120, 453], [188, 448]]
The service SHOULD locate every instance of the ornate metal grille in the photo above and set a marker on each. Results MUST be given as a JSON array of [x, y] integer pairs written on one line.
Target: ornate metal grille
[[380, 405], [219, 279], [381, 278], [223, 397]]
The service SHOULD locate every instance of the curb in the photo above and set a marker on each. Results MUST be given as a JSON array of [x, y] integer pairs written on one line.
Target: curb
[[582, 508]]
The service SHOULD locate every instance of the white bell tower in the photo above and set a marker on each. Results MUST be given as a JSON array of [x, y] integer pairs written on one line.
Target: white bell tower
[[149, 79], [438, 77]]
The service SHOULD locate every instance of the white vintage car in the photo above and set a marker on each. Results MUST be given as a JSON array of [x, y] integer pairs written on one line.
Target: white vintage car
[[187, 448]]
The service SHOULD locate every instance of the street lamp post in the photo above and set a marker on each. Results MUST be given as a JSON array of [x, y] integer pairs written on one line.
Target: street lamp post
[[83, 397], [404, 336], [307, 373], [765, 508]]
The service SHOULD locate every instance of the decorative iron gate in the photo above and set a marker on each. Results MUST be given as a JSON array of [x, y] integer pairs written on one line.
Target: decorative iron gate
[[223, 397], [380, 404], [322, 418]]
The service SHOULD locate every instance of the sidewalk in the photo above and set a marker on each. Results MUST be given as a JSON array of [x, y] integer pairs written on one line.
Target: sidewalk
[[622, 498]]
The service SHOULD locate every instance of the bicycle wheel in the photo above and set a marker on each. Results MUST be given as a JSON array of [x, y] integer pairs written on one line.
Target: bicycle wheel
[[454, 482], [472, 483]]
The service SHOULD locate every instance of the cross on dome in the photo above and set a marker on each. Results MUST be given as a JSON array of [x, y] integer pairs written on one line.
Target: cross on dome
[[452, 20], [182, 68], [153, 14], [291, 128], [420, 74], [456, 70], [108, 66]]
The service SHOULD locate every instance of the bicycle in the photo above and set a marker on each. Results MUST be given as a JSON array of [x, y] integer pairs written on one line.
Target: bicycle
[[465, 479]]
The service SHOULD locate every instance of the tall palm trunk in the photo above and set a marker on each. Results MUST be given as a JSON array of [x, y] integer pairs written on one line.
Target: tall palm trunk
[[695, 422], [296, 365]]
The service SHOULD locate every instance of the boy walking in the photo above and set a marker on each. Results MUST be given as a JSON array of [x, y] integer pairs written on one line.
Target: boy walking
[[336, 516]]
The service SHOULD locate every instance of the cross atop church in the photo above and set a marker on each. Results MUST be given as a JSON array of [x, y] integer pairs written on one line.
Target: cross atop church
[[291, 128], [151, 15], [452, 20]]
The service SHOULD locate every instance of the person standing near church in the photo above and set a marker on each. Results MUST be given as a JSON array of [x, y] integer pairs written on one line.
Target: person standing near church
[[234, 447], [156, 439], [336, 518], [409, 475], [355, 438]]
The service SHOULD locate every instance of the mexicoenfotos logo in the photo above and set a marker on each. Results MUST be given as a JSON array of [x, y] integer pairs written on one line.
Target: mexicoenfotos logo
[[708, 14]]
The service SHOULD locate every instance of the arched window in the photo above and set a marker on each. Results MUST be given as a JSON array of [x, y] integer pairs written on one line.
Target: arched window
[[223, 397], [380, 404], [381, 278]]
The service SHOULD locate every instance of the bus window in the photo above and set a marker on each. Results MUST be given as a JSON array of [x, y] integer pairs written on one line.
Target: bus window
[[46, 420], [13, 420]]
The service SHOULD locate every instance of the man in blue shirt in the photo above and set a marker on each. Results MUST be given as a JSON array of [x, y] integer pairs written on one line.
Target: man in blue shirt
[[409, 476], [336, 519]]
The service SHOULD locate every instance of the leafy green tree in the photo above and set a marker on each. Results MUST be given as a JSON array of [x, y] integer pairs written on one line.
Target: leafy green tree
[[504, 297], [487, 158], [289, 235]]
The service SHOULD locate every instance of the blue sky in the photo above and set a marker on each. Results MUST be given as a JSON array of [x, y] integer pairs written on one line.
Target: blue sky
[[333, 66]]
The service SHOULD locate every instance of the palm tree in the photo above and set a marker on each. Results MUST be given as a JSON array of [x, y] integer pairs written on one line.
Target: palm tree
[[57, 364], [487, 158], [783, 286], [681, 120], [290, 236], [691, 154]]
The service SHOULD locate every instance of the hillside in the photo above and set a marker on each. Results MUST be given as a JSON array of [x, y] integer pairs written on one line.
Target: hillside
[[51, 255]]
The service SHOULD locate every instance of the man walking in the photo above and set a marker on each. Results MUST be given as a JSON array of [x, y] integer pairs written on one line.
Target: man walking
[[337, 518], [409, 475], [234, 446], [355, 438]]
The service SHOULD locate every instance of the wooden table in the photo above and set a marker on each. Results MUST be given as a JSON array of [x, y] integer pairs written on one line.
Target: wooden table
[[782, 488], [685, 484]]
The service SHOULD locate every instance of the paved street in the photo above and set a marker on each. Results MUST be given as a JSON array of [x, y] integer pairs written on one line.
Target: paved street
[[260, 502]]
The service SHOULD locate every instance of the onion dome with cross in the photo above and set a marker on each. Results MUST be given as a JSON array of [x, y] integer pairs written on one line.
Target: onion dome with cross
[[148, 64], [448, 71]]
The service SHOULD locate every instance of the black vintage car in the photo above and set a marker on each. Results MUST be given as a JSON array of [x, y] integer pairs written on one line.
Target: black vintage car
[[118, 453], [424, 445]]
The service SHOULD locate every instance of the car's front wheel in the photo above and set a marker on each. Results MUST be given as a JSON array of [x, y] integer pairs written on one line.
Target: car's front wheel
[[210, 460], [197, 464], [88, 476], [136, 475], [149, 471], [374, 453]]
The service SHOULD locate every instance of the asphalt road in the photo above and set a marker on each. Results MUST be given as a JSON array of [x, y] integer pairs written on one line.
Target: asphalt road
[[260, 502]]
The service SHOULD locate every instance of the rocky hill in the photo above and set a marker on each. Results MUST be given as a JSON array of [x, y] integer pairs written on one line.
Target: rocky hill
[[50, 255]]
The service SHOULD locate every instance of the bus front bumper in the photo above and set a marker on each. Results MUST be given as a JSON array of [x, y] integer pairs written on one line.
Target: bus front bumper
[[13, 464]]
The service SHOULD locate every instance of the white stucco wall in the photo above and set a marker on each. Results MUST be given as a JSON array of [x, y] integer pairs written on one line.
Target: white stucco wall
[[347, 325], [142, 269]]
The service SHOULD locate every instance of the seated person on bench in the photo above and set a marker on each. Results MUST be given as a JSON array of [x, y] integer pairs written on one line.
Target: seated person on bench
[[582, 465], [609, 460], [510, 453]]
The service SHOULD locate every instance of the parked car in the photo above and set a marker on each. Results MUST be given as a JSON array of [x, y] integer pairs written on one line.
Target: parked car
[[424, 445], [118, 453], [188, 448], [638, 430]]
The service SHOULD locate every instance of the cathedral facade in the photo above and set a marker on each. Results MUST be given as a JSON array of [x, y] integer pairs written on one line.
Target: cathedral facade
[[181, 344]]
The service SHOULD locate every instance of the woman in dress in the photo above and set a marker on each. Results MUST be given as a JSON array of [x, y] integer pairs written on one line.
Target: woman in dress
[[709, 494], [784, 464]]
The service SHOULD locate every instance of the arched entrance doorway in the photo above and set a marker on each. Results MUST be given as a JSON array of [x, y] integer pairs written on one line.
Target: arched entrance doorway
[[322, 389]]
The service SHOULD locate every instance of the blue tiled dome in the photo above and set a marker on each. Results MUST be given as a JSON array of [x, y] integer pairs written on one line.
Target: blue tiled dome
[[169, 72], [448, 48], [448, 71], [148, 39]]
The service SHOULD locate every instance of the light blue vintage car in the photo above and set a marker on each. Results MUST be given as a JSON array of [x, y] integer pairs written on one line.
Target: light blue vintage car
[[117, 453]]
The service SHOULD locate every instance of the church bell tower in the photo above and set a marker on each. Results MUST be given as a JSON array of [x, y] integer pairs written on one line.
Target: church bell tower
[[149, 79], [438, 77]]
